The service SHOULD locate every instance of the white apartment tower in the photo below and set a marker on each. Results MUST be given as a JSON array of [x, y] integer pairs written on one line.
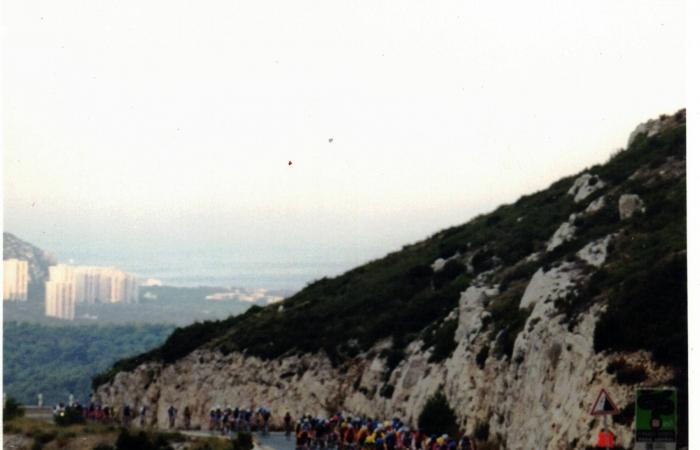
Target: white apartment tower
[[87, 284], [60, 299], [15, 280]]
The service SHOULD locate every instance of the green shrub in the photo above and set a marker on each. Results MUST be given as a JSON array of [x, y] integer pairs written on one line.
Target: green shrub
[[243, 441], [443, 341], [11, 409], [44, 437], [437, 416], [452, 270], [387, 390], [69, 416], [649, 311], [508, 319], [142, 441]]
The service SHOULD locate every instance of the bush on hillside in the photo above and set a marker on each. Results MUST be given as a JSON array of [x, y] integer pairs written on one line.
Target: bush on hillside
[[69, 416], [452, 270], [243, 441], [649, 311], [142, 441], [12, 409], [443, 340], [437, 416]]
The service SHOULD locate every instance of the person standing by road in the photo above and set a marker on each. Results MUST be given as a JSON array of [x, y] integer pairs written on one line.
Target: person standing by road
[[172, 415], [287, 425], [126, 416]]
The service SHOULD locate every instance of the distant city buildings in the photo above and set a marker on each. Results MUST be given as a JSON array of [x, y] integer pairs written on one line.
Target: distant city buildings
[[152, 282], [15, 280], [71, 285], [259, 295], [60, 299]]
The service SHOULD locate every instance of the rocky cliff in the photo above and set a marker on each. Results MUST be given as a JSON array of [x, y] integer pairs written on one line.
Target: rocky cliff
[[519, 317]]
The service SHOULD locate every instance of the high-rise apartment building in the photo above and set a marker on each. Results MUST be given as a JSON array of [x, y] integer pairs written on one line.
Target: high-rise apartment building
[[60, 299], [15, 280], [90, 285]]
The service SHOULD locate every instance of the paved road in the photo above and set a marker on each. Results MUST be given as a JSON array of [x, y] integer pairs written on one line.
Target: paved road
[[272, 441], [275, 441]]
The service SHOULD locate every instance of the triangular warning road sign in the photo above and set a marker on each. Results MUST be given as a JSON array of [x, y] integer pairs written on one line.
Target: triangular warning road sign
[[604, 405]]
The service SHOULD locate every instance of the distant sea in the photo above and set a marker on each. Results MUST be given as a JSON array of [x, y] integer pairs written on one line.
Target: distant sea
[[271, 275], [190, 271]]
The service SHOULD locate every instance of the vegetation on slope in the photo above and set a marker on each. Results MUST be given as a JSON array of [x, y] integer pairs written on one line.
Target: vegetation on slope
[[401, 298], [59, 361]]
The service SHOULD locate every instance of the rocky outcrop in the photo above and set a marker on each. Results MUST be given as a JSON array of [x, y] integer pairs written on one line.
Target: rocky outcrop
[[596, 205], [550, 285], [595, 253], [564, 233], [551, 379], [584, 186], [629, 205]]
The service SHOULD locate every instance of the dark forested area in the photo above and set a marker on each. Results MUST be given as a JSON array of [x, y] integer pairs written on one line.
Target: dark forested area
[[61, 360]]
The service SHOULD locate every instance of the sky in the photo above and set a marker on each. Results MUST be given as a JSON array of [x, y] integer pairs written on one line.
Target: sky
[[156, 135]]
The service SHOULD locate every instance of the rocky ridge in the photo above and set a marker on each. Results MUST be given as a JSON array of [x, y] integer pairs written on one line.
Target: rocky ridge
[[528, 377]]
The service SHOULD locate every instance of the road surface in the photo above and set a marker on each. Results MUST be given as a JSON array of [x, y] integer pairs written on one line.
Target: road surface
[[275, 441]]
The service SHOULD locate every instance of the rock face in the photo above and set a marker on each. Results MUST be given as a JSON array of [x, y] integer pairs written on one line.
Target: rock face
[[629, 204], [652, 127], [552, 378], [595, 253], [564, 233]]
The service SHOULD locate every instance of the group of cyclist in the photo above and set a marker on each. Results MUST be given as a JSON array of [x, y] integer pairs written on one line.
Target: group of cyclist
[[229, 420], [355, 433], [338, 432]]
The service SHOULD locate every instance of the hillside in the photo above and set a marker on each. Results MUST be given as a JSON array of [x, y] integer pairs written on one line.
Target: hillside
[[38, 260], [518, 316]]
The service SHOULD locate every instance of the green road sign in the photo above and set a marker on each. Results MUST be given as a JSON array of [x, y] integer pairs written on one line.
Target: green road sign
[[656, 415]]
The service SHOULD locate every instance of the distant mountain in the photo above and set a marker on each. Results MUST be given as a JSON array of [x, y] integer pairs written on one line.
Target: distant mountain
[[518, 318], [39, 262]]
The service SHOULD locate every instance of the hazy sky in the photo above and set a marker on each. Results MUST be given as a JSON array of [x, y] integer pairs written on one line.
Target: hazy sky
[[141, 132]]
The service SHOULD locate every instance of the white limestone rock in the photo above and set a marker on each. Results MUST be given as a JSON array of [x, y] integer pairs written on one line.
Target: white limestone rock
[[438, 264], [596, 205], [649, 128], [551, 285], [584, 186], [472, 311], [595, 253], [564, 233], [629, 205]]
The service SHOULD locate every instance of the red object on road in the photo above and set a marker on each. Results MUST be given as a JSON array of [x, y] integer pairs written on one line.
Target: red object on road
[[606, 439], [289, 163]]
